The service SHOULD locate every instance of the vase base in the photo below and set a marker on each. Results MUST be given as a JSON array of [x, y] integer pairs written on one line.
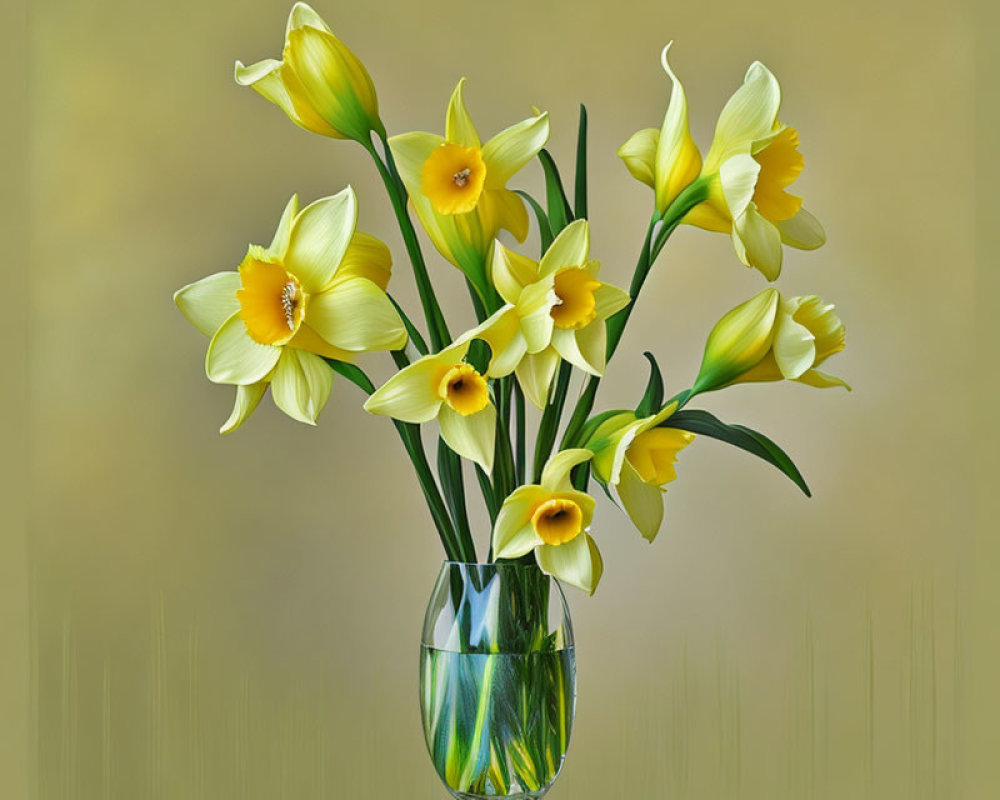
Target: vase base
[[522, 796]]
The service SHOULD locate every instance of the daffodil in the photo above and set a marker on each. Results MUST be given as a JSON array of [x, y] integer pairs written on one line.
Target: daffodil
[[771, 338], [637, 457], [458, 185], [552, 519], [319, 83], [556, 308], [317, 290], [751, 163], [445, 387], [806, 333]]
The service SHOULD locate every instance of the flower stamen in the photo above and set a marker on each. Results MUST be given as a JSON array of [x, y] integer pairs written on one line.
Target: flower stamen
[[289, 302], [462, 177]]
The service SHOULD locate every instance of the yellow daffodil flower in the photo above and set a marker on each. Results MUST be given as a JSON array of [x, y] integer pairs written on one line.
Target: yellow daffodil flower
[[443, 386], [458, 185], [552, 518], [771, 338], [556, 308], [637, 457], [806, 333], [319, 83], [751, 163], [317, 290]]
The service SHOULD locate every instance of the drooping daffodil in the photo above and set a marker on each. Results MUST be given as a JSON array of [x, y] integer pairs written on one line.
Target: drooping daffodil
[[552, 519], [556, 308], [319, 83], [444, 386], [772, 338], [636, 456], [751, 163], [458, 185], [317, 290]]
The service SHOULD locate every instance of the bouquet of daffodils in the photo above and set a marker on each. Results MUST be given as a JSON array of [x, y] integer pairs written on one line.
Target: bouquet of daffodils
[[303, 309]]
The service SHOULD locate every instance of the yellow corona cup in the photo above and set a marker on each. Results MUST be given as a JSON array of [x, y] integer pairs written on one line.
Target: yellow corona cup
[[319, 83]]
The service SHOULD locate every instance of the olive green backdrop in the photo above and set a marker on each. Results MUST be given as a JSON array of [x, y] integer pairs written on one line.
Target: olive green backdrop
[[214, 617]]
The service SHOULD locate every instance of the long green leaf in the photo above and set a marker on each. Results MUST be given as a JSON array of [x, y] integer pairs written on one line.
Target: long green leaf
[[580, 185], [544, 229], [701, 422], [559, 212], [652, 399]]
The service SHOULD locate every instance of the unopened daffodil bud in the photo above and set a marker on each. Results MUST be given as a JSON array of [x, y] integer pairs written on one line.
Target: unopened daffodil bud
[[319, 83], [552, 519], [317, 291]]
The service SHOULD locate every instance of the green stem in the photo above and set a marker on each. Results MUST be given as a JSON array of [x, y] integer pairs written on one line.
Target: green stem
[[397, 195], [521, 455], [551, 417], [450, 470]]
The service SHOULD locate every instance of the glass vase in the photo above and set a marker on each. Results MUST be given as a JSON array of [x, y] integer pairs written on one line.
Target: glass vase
[[497, 680]]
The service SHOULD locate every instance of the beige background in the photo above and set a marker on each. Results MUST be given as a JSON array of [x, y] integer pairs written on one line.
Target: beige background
[[238, 617]]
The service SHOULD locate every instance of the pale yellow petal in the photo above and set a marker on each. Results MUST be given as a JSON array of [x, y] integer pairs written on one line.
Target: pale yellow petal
[[411, 395], [569, 249], [279, 244], [585, 349], [233, 357], [366, 257], [609, 300], [678, 161], [803, 231], [266, 78], [502, 332], [534, 307], [556, 474], [247, 400], [609, 442], [513, 533], [473, 436], [301, 385], [534, 375], [209, 302], [738, 177], [578, 562], [794, 346], [355, 314], [750, 114], [502, 209], [643, 502], [822, 380], [301, 15], [639, 155], [511, 272], [319, 237], [512, 148], [758, 243], [458, 124]]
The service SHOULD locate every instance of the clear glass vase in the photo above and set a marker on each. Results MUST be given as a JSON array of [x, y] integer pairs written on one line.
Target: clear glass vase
[[497, 680]]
